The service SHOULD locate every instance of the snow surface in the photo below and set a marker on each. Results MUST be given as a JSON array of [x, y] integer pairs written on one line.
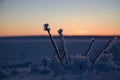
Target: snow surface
[[34, 58]]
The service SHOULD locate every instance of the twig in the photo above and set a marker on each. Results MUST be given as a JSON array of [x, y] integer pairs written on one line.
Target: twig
[[103, 50], [90, 47]]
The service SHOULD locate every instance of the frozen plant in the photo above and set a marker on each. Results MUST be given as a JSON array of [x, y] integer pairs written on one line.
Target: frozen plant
[[63, 45], [46, 28], [90, 46], [103, 50]]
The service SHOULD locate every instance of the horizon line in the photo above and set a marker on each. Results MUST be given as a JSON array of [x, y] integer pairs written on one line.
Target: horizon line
[[52, 35]]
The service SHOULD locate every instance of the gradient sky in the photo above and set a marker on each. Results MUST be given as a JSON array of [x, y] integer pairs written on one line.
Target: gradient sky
[[76, 17]]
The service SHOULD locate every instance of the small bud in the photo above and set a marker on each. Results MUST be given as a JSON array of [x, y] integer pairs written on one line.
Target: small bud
[[46, 27], [60, 31]]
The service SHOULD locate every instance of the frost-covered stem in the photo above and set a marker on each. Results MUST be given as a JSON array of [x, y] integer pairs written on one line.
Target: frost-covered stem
[[104, 49], [63, 45], [90, 47], [56, 49]]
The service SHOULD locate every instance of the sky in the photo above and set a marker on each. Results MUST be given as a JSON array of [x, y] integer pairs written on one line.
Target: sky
[[75, 17]]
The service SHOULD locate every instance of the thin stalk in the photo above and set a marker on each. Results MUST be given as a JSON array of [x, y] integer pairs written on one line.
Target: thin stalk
[[56, 49], [90, 47], [63, 45], [65, 52]]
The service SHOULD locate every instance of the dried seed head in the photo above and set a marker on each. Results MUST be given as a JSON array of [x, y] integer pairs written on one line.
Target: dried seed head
[[60, 31], [46, 27]]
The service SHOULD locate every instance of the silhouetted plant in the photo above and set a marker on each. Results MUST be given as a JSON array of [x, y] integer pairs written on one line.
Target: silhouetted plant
[[46, 28], [103, 50], [90, 47], [63, 45]]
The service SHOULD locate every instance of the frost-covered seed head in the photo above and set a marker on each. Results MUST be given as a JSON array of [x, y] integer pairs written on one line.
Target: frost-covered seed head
[[60, 31], [46, 27]]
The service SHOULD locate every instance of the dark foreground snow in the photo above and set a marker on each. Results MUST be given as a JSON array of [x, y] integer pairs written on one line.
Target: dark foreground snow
[[35, 59]]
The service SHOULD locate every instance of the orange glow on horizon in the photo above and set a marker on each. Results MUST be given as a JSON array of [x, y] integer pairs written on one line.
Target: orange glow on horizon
[[71, 27], [66, 32]]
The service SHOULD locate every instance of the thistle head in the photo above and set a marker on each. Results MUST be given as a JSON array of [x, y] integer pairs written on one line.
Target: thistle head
[[60, 31], [46, 27]]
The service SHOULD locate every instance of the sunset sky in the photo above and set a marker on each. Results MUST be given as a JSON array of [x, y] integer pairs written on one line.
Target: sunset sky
[[75, 17]]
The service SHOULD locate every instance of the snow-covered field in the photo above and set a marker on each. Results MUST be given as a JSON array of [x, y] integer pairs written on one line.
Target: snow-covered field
[[34, 58]]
